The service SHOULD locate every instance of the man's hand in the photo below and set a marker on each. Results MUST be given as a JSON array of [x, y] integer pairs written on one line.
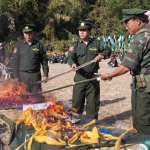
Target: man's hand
[[44, 78], [98, 58], [74, 66], [104, 76], [119, 71], [16, 79]]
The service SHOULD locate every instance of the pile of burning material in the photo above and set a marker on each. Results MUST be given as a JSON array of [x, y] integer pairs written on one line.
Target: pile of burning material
[[13, 95], [54, 126]]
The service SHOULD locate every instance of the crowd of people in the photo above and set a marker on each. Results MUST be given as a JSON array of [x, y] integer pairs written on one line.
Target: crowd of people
[[57, 58]]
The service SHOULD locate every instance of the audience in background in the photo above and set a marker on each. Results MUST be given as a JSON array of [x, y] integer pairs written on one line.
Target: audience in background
[[57, 58]]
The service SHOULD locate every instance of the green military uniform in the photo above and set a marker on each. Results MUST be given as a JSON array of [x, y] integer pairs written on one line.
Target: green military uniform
[[27, 60], [80, 53], [137, 59]]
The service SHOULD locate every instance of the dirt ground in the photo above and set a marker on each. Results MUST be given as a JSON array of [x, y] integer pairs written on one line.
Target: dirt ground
[[115, 97]]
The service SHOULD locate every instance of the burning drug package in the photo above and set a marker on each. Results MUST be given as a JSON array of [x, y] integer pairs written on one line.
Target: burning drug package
[[13, 95], [55, 127]]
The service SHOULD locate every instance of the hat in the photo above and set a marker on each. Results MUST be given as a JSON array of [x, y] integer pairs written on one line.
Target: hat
[[85, 25], [28, 27], [133, 12]]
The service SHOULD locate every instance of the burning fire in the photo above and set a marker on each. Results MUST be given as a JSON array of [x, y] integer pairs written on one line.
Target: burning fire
[[56, 108], [13, 95], [55, 113], [57, 127], [54, 118], [12, 90]]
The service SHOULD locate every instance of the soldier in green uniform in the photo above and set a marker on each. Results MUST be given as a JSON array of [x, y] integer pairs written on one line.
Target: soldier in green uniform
[[137, 61], [28, 56], [80, 52]]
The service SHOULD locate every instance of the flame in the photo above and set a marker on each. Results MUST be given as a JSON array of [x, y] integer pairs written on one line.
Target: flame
[[54, 114], [68, 124], [12, 90], [53, 119], [56, 108]]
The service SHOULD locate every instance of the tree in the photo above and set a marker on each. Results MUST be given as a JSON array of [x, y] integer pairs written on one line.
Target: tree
[[58, 20], [66, 15]]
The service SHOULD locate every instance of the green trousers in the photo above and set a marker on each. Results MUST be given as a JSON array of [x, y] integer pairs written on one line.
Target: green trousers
[[29, 79], [89, 91], [142, 113]]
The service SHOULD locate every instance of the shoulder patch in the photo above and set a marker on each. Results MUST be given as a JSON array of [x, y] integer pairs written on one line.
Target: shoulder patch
[[71, 48], [15, 50]]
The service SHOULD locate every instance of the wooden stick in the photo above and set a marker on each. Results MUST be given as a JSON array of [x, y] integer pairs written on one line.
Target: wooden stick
[[81, 66], [62, 87]]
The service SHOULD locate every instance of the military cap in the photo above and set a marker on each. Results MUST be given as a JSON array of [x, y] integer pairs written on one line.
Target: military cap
[[133, 12], [28, 27], [85, 25]]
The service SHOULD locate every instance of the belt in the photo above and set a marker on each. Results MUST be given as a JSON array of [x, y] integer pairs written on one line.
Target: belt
[[86, 74], [30, 71]]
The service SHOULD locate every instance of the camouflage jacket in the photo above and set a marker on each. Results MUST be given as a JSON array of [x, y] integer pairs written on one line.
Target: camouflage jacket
[[137, 57]]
